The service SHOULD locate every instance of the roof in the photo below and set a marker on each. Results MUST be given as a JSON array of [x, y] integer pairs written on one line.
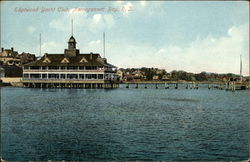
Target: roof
[[12, 71], [8, 53], [72, 40], [78, 60]]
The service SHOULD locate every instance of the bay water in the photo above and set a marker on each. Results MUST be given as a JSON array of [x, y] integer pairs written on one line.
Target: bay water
[[124, 124]]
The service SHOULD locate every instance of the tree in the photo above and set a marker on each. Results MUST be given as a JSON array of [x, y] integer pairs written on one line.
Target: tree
[[201, 76]]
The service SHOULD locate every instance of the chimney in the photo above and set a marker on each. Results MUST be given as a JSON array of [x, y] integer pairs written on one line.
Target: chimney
[[12, 49], [104, 60], [91, 55]]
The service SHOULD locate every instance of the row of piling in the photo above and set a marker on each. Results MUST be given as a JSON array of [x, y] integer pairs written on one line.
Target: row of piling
[[227, 86], [72, 85]]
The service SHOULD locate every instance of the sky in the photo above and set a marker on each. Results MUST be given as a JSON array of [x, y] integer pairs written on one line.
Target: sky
[[193, 36]]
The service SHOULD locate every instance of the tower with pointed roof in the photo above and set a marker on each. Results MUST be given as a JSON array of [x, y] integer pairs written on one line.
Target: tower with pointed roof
[[71, 51], [71, 43]]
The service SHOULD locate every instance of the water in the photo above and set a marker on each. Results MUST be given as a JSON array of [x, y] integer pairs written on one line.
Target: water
[[124, 124]]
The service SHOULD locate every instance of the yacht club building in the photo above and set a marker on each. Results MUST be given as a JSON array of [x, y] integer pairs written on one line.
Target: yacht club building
[[71, 69]]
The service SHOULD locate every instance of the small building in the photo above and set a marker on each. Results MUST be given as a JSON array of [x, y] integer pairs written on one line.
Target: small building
[[128, 77], [11, 57], [10, 71], [159, 71], [26, 58], [120, 74], [155, 77], [70, 69], [165, 78], [138, 74], [2, 72]]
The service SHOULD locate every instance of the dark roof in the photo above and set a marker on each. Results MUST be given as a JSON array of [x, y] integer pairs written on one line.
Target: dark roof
[[72, 39], [12, 71], [110, 65], [56, 60]]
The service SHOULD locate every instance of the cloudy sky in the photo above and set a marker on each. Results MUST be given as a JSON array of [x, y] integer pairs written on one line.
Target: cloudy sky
[[192, 36]]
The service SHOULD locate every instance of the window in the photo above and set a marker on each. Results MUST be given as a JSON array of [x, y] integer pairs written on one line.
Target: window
[[35, 75], [35, 67], [91, 76], [46, 60], [44, 76], [83, 60], [81, 67], [91, 67], [81, 76], [54, 76], [72, 67], [26, 75], [26, 67], [72, 76], [100, 76], [94, 76], [53, 67], [63, 67], [62, 76], [44, 67], [65, 60], [88, 76]]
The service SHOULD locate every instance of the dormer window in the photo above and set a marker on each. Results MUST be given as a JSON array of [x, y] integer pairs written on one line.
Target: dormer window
[[65, 60], [83, 60], [46, 60]]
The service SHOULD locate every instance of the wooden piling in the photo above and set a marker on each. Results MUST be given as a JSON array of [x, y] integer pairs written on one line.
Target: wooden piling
[[166, 86], [176, 86]]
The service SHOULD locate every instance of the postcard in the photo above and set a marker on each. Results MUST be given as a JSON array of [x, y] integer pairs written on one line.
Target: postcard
[[124, 81]]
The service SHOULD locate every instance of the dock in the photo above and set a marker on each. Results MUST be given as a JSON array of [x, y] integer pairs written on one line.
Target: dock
[[81, 84], [231, 86]]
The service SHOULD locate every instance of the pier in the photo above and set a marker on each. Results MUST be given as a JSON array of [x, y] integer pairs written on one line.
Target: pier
[[231, 86], [69, 84], [81, 84]]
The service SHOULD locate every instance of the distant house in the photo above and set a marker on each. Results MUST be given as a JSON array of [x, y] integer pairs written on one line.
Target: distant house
[[137, 75], [120, 74], [26, 58], [11, 57], [128, 77], [165, 77], [155, 77], [2, 72], [159, 71]]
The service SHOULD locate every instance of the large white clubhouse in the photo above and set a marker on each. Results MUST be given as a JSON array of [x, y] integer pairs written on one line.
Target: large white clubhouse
[[70, 69]]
